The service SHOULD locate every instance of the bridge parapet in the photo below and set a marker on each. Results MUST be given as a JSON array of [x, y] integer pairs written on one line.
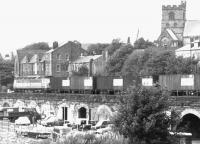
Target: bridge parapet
[[89, 98], [191, 101]]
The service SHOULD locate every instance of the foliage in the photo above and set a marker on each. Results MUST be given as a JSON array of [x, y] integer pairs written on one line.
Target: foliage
[[96, 48], [37, 46], [151, 62], [116, 61], [82, 71], [90, 139], [167, 63], [142, 44], [6, 72], [115, 45], [142, 117]]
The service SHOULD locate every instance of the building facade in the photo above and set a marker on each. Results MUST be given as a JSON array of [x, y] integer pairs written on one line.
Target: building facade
[[172, 25], [44, 63]]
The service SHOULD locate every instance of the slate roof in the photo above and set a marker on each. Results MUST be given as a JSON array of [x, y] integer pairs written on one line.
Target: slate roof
[[29, 54], [188, 48], [192, 28], [172, 35]]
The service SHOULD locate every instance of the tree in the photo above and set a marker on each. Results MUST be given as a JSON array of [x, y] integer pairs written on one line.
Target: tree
[[133, 65], [142, 117], [115, 45], [96, 48], [6, 72], [167, 63], [82, 71], [142, 44], [37, 46], [116, 61]]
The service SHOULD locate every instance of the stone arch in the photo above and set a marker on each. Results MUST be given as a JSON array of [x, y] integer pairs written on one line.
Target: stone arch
[[60, 111], [190, 111], [47, 109], [82, 112], [6, 104], [33, 104], [19, 103], [190, 121], [84, 107], [104, 112]]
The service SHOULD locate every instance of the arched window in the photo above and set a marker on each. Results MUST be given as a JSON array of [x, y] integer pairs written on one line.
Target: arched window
[[82, 112], [171, 16]]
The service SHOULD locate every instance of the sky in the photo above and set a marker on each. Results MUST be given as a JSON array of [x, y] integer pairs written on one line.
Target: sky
[[23, 22]]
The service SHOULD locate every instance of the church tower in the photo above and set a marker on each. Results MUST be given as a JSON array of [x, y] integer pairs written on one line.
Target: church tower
[[174, 17]]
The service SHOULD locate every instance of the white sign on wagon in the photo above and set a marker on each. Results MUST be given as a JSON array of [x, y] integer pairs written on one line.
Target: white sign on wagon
[[117, 82], [65, 82], [88, 82], [187, 80], [147, 81]]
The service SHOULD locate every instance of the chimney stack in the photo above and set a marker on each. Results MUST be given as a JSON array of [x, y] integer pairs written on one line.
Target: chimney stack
[[55, 44]]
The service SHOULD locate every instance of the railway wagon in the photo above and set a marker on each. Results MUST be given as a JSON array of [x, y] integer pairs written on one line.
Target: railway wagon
[[108, 84], [181, 85], [29, 83]]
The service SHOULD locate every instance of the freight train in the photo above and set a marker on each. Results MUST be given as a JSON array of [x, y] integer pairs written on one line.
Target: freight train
[[74, 84], [178, 85]]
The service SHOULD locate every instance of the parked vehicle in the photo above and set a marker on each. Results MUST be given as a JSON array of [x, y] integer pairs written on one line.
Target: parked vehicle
[[13, 113], [52, 121]]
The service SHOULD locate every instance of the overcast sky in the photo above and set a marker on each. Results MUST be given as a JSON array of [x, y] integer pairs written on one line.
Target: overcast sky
[[89, 21]]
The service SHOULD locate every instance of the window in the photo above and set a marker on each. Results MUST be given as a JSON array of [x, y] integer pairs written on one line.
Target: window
[[67, 56], [171, 16], [58, 56], [58, 68], [198, 44], [175, 24], [191, 39], [167, 24]]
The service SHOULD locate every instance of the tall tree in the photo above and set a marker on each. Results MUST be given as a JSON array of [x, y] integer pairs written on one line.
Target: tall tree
[[116, 61], [142, 117], [114, 46], [143, 44]]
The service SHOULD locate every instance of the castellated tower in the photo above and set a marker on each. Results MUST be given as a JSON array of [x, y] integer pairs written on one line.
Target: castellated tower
[[174, 17]]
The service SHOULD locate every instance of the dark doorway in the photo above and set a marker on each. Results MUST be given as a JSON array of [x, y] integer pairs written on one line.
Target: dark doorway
[[6, 105], [190, 123], [64, 109], [82, 112]]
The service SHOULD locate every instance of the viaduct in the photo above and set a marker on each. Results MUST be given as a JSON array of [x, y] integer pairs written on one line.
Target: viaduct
[[78, 107]]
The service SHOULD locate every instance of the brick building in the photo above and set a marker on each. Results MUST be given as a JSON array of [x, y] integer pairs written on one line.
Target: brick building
[[49, 62]]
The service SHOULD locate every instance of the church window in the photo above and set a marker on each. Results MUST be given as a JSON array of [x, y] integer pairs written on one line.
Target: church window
[[175, 24], [58, 67], [171, 16]]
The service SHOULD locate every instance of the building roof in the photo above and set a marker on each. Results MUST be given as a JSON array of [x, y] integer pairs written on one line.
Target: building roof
[[86, 59], [188, 48], [172, 35], [34, 59], [24, 60], [29, 54], [192, 28]]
